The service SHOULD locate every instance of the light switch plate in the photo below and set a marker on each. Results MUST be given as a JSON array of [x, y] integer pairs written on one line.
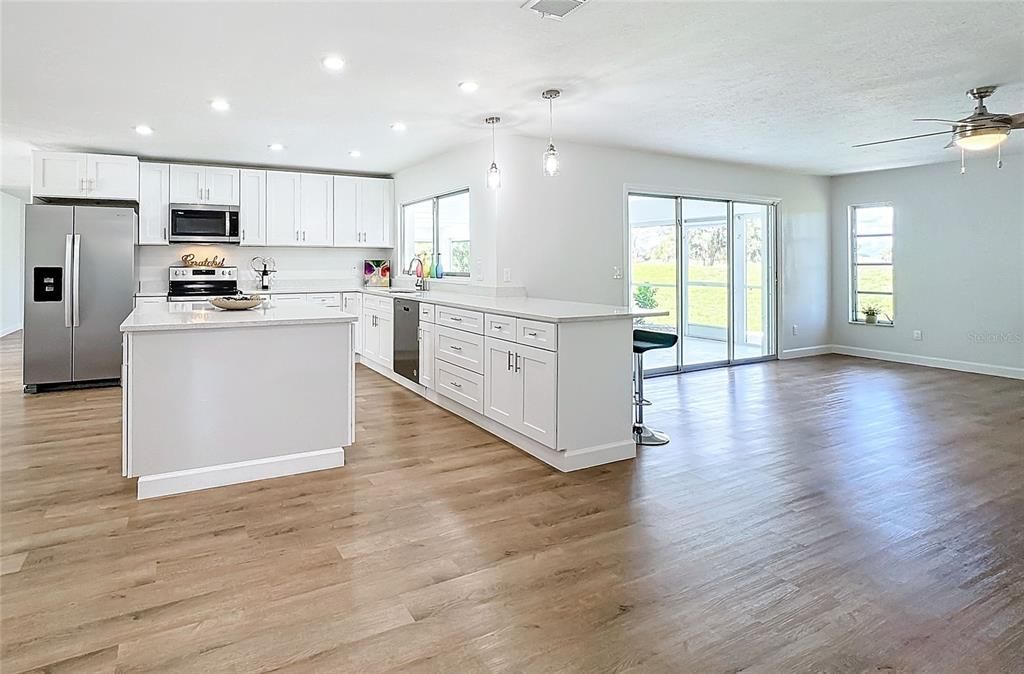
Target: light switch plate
[[506, 275], [917, 336]]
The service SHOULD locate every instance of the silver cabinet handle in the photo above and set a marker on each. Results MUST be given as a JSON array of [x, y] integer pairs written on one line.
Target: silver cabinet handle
[[77, 281], [495, 327], [457, 319], [517, 362], [455, 347], [455, 384], [68, 245], [303, 235], [509, 361], [207, 193], [296, 235], [243, 234], [165, 235], [531, 334], [81, 188]]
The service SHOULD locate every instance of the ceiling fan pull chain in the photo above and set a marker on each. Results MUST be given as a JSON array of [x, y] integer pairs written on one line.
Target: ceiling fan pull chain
[[963, 167], [999, 156]]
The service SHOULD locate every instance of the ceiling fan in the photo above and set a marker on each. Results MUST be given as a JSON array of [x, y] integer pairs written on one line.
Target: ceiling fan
[[981, 130]]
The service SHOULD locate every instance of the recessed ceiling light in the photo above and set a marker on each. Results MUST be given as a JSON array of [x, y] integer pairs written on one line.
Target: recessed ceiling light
[[144, 130], [469, 86], [333, 62], [276, 147], [220, 105], [398, 126], [355, 153]]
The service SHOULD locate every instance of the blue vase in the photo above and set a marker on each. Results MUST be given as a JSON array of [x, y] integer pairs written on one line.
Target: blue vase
[[438, 269]]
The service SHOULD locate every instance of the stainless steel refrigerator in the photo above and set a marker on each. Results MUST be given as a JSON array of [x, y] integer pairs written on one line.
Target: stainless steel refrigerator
[[79, 287]]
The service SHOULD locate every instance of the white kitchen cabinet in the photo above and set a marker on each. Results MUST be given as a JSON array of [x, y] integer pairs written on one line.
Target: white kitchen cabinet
[[141, 301], [375, 203], [426, 338], [316, 209], [204, 185], [154, 203], [283, 208], [332, 300], [378, 326], [346, 233], [78, 174], [280, 299], [520, 388], [252, 207], [352, 303], [459, 384], [386, 348]]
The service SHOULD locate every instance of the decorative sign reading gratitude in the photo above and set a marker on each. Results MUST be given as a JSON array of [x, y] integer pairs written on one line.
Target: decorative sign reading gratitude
[[189, 260]]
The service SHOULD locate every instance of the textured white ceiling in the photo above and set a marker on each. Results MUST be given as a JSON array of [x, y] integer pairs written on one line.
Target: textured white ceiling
[[792, 85]]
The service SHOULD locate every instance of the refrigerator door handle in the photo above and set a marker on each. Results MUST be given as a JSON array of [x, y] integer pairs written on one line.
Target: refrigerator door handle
[[76, 281], [67, 279]]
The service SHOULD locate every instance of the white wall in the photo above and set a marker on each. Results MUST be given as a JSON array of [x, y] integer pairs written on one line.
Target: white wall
[[561, 237], [12, 268], [959, 262]]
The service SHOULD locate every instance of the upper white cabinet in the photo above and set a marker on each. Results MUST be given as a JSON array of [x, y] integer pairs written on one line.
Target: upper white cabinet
[[204, 185], [80, 175], [363, 211], [316, 212], [283, 208], [154, 203], [252, 207]]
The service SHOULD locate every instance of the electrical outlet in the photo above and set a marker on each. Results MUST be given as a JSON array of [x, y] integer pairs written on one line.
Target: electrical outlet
[[917, 336], [616, 272], [506, 275], [796, 329]]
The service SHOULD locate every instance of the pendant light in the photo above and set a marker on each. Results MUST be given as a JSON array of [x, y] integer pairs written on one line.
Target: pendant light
[[493, 174], [550, 157]]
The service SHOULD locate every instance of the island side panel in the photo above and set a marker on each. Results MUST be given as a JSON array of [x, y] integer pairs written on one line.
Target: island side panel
[[209, 397]]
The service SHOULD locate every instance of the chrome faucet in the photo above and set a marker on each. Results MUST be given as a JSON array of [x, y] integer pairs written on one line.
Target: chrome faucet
[[421, 283]]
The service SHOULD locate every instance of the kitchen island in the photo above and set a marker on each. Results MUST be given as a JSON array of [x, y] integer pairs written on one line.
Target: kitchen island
[[214, 397]]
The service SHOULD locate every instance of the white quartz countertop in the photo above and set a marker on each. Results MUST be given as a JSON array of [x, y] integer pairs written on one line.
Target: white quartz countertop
[[532, 308], [149, 317]]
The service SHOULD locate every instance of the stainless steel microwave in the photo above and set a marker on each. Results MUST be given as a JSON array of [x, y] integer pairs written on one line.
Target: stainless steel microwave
[[201, 223]]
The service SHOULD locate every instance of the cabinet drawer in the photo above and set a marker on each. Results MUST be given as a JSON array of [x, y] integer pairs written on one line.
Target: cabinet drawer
[[325, 299], [459, 384], [471, 321], [535, 333], [426, 313], [377, 303], [287, 298], [502, 327], [352, 303], [460, 348]]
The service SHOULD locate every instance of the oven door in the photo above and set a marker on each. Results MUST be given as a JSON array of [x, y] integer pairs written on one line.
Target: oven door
[[199, 223]]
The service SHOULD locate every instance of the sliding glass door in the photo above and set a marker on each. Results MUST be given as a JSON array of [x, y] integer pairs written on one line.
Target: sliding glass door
[[711, 264]]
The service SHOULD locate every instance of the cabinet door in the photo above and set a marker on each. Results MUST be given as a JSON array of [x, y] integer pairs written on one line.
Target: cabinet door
[[252, 207], [503, 388], [352, 303], [316, 198], [345, 231], [370, 211], [386, 340], [426, 375], [221, 186], [58, 174], [112, 176], [282, 208], [154, 203], [371, 340], [537, 370], [186, 184]]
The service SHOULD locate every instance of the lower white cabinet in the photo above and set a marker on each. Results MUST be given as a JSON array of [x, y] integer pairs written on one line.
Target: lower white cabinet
[[521, 388], [289, 298], [331, 300], [459, 384], [378, 330], [426, 338], [352, 303]]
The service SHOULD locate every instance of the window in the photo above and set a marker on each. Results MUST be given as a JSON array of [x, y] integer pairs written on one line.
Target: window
[[438, 229], [871, 262]]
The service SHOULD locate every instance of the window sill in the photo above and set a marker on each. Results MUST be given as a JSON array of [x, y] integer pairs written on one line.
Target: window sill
[[878, 325], [447, 280]]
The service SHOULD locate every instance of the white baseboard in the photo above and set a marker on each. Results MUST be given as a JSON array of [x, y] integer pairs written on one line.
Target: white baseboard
[[181, 481], [565, 461], [931, 361], [7, 331], [805, 351]]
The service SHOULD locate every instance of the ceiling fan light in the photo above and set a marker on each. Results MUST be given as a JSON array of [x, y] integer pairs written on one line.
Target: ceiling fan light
[[980, 139]]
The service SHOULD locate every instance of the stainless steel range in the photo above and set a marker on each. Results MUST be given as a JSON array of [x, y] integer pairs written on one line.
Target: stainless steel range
[[198, 284]]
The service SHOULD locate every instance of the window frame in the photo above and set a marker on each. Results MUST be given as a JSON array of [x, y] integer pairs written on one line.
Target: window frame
[[436, 230], [853, 315]]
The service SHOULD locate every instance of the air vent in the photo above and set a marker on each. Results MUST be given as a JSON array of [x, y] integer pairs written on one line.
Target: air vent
[[553, 9]]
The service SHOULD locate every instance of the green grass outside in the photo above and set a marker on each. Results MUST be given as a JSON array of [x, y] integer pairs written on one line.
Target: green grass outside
[[707, 305]]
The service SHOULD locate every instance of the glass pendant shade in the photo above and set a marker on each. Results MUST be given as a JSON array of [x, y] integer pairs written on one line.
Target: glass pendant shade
[[493, 177], [980, 139], [551, 160]]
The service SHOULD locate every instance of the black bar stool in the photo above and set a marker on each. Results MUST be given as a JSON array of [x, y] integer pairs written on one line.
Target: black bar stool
[[644, 341]]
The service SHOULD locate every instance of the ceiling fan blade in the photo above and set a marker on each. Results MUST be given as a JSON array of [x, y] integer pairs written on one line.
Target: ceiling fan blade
[[1017, 121], [894, 140], [955, 122]]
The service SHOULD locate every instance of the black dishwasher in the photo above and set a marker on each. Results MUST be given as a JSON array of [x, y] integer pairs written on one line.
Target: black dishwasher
[[407, 339]]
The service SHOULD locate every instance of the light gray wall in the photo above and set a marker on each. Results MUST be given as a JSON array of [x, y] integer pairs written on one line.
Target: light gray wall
[[561, 237], [12, 267], [959, 260]]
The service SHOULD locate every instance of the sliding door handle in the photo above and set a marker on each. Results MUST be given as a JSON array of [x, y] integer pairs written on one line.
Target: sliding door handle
[[77, 280], [68, 245]]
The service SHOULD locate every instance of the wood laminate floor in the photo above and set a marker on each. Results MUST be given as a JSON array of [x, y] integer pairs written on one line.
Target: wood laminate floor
[[828, 514]]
